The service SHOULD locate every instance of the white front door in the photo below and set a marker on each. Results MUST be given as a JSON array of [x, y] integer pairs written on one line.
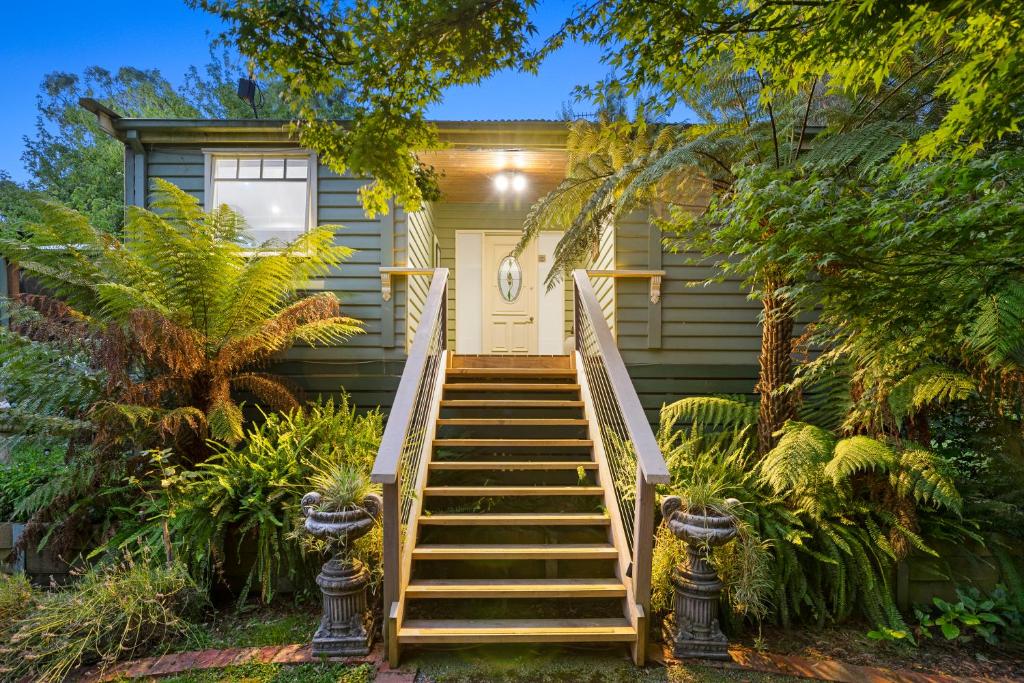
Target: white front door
[[509, 296]]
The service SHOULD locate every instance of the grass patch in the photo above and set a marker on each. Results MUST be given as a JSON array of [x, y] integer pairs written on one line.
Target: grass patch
[[255, 627], [553, 665], [280, 673]]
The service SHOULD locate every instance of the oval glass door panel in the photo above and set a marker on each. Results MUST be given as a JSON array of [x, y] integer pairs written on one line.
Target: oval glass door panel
[[510, 278]]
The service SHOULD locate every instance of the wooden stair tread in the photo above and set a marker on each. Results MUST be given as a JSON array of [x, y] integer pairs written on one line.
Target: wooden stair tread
[[509, 403], [510, 386], [511, 465], [514, 442], [491, 491], [510, 372], [511, 422], [515, 588], [516, 630], [505, 551], [516, 519]]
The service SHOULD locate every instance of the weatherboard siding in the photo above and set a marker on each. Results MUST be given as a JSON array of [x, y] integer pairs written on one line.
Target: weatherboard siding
[[707, 340], [368, 365], [416, 237], [709, 333]]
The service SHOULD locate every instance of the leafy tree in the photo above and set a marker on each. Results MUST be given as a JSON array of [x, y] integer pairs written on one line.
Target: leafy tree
[[392, 58], [975, 53]]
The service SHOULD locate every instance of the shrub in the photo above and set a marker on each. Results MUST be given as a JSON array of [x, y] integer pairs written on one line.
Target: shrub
[[16, 598], [833, 514], [249, 495], [29, 468], [110, 614]]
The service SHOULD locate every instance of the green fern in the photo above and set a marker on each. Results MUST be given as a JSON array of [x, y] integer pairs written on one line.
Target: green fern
[[998, 332], [856, 455], [716, 413], [929, 385]]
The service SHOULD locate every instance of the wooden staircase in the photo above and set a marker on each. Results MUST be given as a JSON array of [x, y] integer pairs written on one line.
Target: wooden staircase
[[518, 492], [513, 541]]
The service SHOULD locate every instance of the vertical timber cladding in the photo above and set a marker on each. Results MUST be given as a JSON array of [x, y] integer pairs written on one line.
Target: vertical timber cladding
[[709, 334], [363, 366]]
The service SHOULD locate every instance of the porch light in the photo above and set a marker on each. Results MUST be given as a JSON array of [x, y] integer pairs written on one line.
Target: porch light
[[507, 180]]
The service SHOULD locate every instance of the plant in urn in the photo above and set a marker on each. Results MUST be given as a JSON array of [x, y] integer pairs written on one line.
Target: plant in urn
[[339, 512], [693, 630]]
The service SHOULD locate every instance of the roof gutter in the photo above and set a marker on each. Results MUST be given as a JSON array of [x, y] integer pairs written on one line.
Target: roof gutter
[[455, 134]]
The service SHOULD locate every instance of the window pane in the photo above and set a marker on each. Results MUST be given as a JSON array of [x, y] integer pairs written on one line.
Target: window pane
[[249, 168], [273, 168], [298, 168], [272, 209], [225, 168]]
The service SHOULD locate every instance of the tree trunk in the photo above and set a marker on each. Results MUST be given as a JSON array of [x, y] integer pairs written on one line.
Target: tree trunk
[[776, 365], [13, 280]]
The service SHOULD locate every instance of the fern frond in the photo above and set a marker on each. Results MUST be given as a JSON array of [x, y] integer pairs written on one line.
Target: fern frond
[[932, 384], [922, 475], [794, 465], [856, 455], [711, 412], [998, 332]]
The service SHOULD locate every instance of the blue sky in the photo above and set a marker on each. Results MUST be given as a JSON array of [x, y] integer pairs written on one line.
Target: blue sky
[[70, 35]]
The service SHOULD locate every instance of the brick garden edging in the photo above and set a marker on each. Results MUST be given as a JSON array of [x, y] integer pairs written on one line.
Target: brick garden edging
[[744, 658], [180, 662]]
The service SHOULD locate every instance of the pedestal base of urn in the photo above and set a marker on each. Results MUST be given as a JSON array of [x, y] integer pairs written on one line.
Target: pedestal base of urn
[[687, 646], [343, 629]]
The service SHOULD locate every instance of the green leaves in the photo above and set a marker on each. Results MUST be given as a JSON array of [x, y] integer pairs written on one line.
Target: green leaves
[[392, 59]]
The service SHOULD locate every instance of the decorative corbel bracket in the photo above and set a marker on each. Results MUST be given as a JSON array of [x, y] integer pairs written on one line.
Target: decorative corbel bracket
[[388, 272], [655, 277]]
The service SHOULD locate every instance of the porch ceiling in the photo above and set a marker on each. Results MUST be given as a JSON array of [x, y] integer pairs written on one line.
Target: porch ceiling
[[468, 175]]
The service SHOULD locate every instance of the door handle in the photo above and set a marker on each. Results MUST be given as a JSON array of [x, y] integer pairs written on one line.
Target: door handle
[[531, 318]]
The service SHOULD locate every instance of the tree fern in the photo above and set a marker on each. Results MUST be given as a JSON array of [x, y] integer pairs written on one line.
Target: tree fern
[[178, 314]]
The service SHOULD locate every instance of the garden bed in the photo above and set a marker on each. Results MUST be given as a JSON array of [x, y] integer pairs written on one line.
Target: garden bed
[[850, 644]]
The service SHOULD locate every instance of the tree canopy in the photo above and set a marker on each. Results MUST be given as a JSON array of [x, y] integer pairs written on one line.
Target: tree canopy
[[393, 59]]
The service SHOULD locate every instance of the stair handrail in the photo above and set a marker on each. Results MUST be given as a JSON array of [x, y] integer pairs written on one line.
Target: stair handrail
[[625, 433], [399, 466]]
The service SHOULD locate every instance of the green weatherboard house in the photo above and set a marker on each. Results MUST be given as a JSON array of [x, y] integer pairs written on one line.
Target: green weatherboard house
[[537, 401]]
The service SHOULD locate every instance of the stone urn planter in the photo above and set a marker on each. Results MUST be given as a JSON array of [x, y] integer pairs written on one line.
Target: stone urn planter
[[343, 630], [693, 629]]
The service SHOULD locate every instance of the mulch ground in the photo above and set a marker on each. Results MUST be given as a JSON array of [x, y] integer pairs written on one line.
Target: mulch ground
[[850, 644], [744, 658]]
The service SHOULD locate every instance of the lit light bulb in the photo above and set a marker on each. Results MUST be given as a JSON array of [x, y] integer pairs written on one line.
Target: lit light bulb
[[275, 209], [501, 182], [518, 182]]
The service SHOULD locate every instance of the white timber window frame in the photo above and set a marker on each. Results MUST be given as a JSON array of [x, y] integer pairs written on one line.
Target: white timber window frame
[[256, 171]]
